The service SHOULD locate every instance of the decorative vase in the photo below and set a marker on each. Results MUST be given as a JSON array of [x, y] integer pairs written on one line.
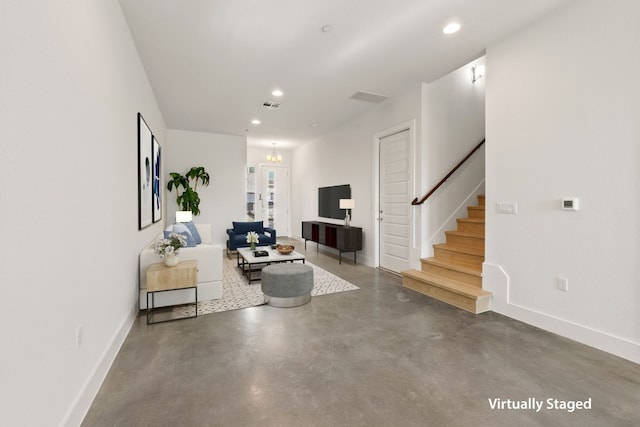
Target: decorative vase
[[171, 260], [253, 246]]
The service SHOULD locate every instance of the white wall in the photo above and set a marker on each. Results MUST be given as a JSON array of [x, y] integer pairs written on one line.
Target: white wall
[[224, 157], [345, 156], [454, 123], [71, 85], [562, 120]]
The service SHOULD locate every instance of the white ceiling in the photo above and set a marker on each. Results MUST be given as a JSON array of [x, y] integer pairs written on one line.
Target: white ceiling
[[212, 63]]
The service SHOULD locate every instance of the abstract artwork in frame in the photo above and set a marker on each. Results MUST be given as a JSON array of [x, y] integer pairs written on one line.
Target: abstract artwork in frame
[[145, 153], [157, 188]]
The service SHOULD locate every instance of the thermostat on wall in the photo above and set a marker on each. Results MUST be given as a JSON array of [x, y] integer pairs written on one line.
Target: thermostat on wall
[[570, 204]]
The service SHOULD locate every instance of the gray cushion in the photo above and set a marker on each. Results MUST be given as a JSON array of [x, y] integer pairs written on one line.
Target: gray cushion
[[286, 280]]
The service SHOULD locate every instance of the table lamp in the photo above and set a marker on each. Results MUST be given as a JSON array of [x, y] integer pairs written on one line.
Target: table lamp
[[347, 204], [184, 216]]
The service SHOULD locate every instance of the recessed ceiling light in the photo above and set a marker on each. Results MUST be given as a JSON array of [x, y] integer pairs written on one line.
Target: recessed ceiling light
[[277, 92], [326, 28], [451, 28], [255, 121]]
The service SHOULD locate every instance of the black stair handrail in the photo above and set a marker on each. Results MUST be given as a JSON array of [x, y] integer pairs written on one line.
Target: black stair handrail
[[433, 190]]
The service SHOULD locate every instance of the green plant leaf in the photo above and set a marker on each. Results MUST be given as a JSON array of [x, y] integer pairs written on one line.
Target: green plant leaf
[[188, 199]]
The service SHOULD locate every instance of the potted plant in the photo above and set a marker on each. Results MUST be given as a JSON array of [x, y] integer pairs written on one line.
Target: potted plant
[[188, 199]]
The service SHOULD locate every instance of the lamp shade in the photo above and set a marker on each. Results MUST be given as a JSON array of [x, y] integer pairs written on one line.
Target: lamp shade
[[347, 203], [184, 216]]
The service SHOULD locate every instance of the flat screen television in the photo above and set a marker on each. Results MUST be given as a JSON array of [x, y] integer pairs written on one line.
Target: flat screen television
[[329, 201]]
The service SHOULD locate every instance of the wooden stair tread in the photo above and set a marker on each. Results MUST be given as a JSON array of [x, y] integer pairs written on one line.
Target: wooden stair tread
[[476, 212], [474, 220], [446, 283], [465, 234], [461, 249], [456, 267], [471, 225]]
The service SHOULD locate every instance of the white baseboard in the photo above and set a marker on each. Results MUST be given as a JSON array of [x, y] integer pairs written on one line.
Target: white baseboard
[[496, 280], [83, 401]]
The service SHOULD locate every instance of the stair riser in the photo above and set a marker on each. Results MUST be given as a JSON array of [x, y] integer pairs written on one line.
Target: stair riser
[[481, 200], [458, 258], [471, 227], [469, 304], [470, 279], [475, 212], [468, 241]]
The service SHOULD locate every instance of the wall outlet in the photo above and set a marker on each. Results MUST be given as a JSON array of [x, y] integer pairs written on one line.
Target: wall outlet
[[562, 283]]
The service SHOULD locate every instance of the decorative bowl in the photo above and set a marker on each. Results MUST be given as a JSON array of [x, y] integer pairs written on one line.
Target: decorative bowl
[[284, 249]]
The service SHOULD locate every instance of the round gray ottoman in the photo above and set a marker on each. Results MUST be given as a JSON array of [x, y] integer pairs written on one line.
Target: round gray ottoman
[[287, 284]]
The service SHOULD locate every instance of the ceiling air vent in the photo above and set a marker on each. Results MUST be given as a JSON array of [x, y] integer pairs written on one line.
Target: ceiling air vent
[[271, 105], [369, 96]]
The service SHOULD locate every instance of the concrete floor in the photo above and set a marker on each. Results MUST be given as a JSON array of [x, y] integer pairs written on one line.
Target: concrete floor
[[378, 356]]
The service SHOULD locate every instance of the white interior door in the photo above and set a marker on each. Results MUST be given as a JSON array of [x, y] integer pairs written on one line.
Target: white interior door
[[272, 202], [394, 201]]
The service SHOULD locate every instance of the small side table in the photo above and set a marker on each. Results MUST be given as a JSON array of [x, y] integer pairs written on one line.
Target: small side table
[[161, 278]]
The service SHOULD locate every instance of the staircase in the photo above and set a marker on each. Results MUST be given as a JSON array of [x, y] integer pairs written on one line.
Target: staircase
[[454, 274]]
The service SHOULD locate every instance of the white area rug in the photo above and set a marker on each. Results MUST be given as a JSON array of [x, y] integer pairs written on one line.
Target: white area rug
[[237, 293]]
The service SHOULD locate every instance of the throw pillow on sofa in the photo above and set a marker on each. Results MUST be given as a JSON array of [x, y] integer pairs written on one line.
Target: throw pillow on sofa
[[194, 232]]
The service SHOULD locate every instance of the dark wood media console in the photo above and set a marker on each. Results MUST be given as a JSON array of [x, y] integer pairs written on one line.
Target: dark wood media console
[[344, 239]]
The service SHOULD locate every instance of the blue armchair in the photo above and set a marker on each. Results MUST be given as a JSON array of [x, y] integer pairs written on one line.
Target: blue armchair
[[238, 235]]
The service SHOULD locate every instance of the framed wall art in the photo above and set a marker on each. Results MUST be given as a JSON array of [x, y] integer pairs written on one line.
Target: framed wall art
[[145, 178], [157, 188]]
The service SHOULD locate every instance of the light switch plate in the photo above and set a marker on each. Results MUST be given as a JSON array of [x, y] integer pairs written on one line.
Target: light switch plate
[[507, 208]]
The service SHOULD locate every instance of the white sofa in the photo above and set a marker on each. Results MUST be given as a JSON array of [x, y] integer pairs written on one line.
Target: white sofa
[[209, 257]]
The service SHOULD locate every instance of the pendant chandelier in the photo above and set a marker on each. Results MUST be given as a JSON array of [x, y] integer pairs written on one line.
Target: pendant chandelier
[[273, 157]]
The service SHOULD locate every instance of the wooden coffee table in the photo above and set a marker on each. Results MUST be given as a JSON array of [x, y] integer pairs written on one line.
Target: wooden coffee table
[[251, 264]]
